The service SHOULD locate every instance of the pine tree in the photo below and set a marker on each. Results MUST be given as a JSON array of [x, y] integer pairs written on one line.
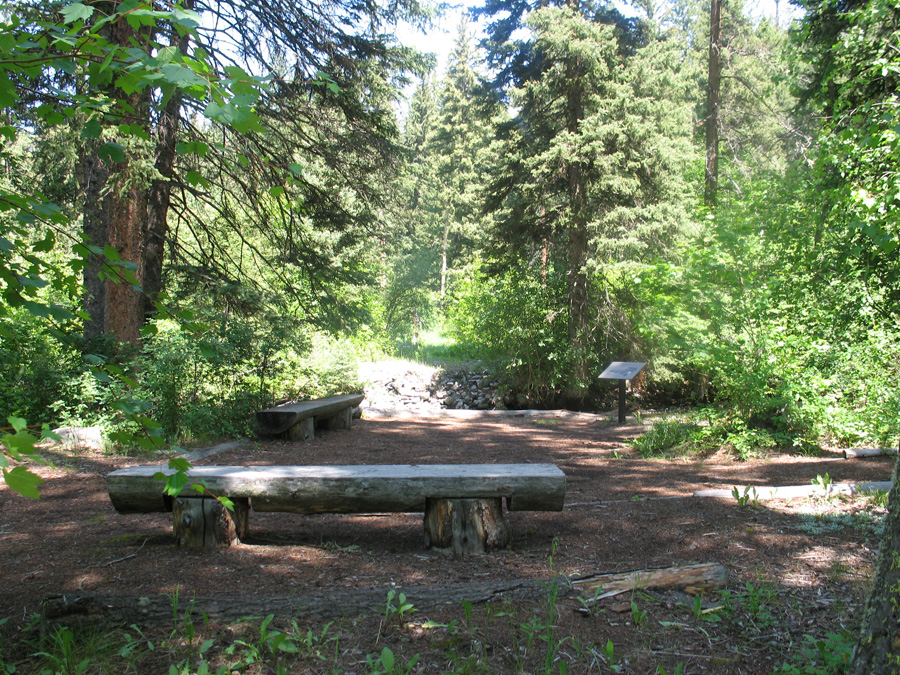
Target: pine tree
[[586, 167], [460, 137]]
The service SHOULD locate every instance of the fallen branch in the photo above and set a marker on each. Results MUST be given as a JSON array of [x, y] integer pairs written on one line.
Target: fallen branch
[[132, 555], [757, 492], [853, 453], [692, 579]]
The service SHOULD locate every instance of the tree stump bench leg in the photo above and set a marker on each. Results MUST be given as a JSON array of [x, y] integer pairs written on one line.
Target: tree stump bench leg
[[304, 430], [465, 526], [203, 523], [341, 420]]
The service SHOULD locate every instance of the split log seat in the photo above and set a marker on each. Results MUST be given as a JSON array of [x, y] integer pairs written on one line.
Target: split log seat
[[297, 421], [462, 503]]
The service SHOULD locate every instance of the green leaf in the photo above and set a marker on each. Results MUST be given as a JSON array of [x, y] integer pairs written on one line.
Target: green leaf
[[195, 178], [19, 445], [175, 483], [23, 481], [192, 148], [47, 311], [17, 423], [111, 152], [76, 12], [387, 659], [226, 502], [131, 406], [179, 464]]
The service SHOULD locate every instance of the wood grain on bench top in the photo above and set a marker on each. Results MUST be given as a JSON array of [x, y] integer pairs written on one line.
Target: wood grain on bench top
[[352, 488]]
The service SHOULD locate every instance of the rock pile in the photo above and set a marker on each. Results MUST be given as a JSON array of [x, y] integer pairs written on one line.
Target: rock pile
[[397, 386], [467, 388]]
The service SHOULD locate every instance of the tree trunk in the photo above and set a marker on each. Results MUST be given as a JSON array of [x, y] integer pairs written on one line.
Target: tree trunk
[[578, 326], [114, 207], [114, 199], [157, 227], [712, 104], [202, 523], [878, 647], [444, 245], [465, 526]]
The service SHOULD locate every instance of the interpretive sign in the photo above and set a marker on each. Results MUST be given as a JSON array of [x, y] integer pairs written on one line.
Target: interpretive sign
[[622, 371]]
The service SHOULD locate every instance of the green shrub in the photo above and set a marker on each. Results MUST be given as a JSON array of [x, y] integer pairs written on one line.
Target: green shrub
[[518, 319], [666, 437], [36, 370], [210, 386]]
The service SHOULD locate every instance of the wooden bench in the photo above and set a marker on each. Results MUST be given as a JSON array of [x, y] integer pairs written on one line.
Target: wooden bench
[[297, 421], [462, 503]]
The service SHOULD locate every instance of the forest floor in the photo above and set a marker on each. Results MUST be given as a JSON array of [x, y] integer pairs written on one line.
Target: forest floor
[[796, 567]]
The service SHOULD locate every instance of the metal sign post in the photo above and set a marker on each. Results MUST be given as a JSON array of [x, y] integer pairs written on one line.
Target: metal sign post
[[622, 371]]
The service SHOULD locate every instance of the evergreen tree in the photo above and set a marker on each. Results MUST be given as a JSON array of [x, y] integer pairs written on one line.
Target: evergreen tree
[[585, 168], [459, 139], [409, 267]]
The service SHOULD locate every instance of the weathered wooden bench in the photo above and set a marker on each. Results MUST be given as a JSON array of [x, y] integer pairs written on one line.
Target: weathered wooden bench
[[297, 421], [462, 503]]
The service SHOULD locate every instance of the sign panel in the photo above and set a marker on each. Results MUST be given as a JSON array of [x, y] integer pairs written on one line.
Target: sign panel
[[622, 370]]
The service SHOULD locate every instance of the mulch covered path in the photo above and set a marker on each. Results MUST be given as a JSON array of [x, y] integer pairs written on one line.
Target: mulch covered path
[[622, 513]]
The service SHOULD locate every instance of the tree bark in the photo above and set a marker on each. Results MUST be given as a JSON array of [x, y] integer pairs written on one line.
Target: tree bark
[[878, 647], [712, 104], [693, 579], [157, 226], [114, 200], [578, 326], [465, 526], [331, 603], [202, 523]]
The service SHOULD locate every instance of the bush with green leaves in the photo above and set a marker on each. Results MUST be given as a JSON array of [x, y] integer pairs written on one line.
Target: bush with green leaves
[[328, 366], [36, 370], [666, 437], [519, 319], [209, 385]]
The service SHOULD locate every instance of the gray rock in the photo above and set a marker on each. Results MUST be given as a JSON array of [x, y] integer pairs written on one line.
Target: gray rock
[[90, 438]]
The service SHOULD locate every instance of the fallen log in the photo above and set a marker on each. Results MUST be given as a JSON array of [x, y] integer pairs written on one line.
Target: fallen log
[[323, 604], [854, 453], [692, 579], [320, 604], [759, 492]]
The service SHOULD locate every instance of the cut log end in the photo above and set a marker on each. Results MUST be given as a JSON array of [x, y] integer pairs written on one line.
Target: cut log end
[[465, 526]]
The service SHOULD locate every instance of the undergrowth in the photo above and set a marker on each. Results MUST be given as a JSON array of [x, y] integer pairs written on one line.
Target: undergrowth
[[708, 431]]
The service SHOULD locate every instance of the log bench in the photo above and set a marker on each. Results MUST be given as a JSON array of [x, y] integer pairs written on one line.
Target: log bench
[[462, 503], [297, 421]]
